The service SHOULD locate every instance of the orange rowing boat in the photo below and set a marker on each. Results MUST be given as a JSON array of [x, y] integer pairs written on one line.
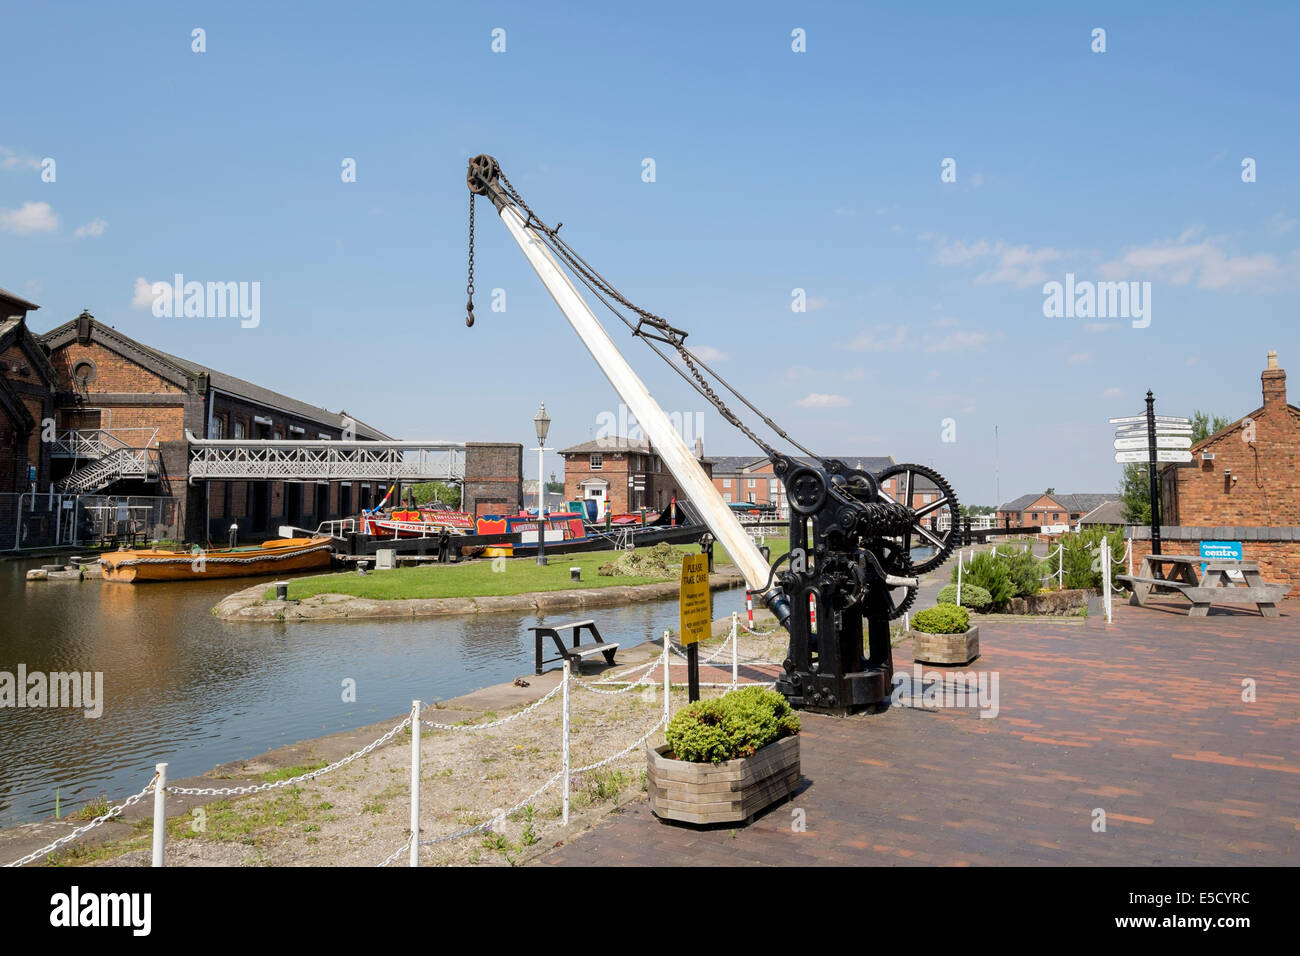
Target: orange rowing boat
[[270, 557]]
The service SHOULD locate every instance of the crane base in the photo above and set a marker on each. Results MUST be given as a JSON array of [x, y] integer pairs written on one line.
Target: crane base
[[851, 693]]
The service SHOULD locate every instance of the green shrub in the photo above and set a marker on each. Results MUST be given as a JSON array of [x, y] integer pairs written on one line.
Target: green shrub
[[972, 596], [990, 573], [737, 724], [1081, 555], [943, 619], [1026, 571]]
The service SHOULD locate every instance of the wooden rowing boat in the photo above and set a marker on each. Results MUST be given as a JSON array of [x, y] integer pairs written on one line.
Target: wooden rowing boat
[[270, 557]]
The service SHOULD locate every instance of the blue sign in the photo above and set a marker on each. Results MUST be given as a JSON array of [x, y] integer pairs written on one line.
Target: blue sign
[[1221, 549]]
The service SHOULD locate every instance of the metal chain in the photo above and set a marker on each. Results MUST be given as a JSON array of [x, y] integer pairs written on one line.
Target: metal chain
[[469, 285], [398, 852], [643, 677], [114, 811], [626, 750], [673, 336], [487, 824], [240, 791], [496, 723]]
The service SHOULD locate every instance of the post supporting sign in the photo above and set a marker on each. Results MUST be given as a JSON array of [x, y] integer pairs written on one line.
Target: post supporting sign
[[1155, 438], [695, 615]]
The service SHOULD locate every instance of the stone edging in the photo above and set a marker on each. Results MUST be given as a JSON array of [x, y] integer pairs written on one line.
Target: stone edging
[[249, 605]]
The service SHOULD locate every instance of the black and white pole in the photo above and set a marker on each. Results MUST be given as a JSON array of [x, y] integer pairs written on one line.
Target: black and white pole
[[1153, 476]]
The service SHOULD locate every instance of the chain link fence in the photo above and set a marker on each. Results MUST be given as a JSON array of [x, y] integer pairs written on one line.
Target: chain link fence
[[32, 520]]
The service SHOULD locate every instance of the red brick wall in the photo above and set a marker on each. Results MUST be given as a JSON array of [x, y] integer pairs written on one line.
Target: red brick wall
[[1267, 471], [113, 373]]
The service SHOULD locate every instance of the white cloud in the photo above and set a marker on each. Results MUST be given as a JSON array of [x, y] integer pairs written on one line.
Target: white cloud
[[1113, 393], [143, 296], [1280, 225], [28, 218], [823, 400], [1078, 358], [92, 230], [1206, 263], [1193, 360], [957, 341], [1002, 262], [708, 353], [1099, 326], [813, 304], [881, 338], [12, 159]]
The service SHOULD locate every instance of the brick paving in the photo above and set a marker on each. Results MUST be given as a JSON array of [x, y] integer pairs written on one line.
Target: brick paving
[[1143, 719]]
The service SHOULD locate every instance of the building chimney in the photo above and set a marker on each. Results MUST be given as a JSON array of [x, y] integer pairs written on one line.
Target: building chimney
[[1274, 380], [83, 326], [699, 447]]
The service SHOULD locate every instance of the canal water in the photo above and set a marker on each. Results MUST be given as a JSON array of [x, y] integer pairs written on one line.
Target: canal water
[[184, 687]]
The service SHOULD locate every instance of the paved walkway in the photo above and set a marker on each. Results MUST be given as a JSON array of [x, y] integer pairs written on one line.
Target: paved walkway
[[1143, 720]]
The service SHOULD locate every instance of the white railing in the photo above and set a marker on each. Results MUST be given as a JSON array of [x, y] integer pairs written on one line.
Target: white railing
[[322, 460], [98, 442]]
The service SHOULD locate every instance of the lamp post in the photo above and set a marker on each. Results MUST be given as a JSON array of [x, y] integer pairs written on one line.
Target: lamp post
[[542, 421]]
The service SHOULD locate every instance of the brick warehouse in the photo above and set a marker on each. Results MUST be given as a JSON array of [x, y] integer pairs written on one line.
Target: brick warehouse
[[621, 475], [87, 376], [1241, 485]]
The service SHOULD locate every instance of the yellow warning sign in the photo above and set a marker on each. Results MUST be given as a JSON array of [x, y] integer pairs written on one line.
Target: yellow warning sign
[[696, 602]]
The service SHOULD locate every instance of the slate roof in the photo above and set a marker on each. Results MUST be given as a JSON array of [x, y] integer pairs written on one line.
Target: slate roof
[[1074, 504], [1110, 512], [219, 380], [614, 443], [18, 300]]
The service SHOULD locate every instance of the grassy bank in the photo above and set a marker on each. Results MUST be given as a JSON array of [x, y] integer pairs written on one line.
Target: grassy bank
[[484, 577]]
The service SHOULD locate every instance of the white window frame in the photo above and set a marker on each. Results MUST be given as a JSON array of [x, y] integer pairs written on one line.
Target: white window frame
[[596, 461]]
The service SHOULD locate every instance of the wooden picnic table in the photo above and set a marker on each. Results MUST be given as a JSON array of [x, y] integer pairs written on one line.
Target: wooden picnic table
[[1214, 585]]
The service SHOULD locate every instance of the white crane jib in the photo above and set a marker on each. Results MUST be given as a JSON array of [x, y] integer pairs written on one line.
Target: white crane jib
[[654, 422]]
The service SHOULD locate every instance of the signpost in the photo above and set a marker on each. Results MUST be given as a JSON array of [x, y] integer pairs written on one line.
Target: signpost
[[1153, 438], [695, 615]]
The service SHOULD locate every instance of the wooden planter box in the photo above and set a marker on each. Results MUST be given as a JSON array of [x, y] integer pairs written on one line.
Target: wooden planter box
[[946, 648], [727, 792]]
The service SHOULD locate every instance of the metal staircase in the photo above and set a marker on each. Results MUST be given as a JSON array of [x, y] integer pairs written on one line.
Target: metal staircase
[[111, 458]]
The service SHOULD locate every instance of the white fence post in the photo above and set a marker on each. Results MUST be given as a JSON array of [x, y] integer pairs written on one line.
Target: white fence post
[[1105, 575], [735, 625], [1128, 552], [1060, 566], [565, 746], [668, 686], [159, 814], [415, 783], [959, 584]]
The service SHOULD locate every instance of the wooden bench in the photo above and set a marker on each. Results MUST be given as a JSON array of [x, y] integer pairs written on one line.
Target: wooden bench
[[1214, 586], [576, 653]]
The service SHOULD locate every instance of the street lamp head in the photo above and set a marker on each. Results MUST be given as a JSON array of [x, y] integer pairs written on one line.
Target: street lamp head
[[543, 423]]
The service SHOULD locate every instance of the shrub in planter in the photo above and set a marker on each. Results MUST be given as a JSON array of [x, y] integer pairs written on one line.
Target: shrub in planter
[[738, 724], [942, 619], [943, 635], [972, 596], [726, 758]]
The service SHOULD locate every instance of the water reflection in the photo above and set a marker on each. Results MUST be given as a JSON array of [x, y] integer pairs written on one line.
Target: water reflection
[[185, 687]]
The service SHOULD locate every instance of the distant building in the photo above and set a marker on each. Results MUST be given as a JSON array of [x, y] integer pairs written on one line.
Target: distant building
[[1054, 513], [621, 474]]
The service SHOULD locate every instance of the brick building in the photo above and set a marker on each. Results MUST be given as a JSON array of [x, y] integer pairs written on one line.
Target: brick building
[[26, 399], [1054, 513], [1243, 484], [115, 386], [621, 474]]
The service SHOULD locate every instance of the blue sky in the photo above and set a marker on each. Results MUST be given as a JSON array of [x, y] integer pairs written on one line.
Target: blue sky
[[775, 170]]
